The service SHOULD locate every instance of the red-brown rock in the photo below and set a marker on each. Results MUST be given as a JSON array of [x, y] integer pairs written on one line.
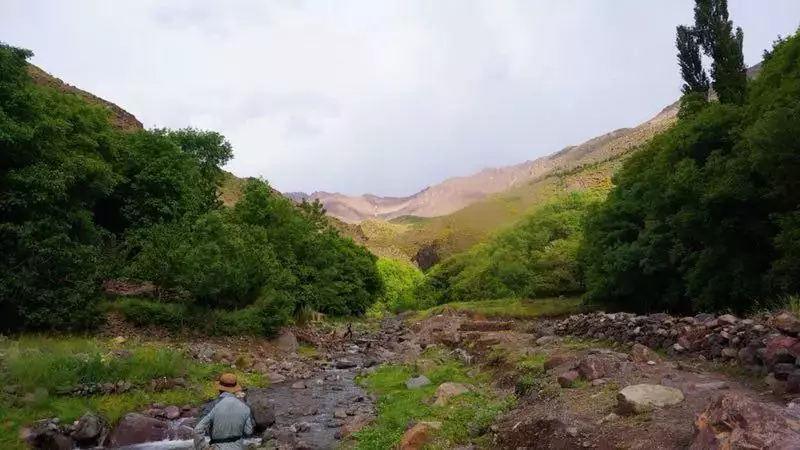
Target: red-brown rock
[[568, 379], [781, 349], [787, 322], [736, 422], [591, 368], [418, 435], [642, 354]]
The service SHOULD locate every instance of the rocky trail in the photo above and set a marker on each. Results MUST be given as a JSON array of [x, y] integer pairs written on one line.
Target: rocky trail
[[589, 381]]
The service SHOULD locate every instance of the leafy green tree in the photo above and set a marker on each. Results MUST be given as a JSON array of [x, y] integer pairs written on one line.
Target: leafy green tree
[[694, 76], [715, 33], [53, 152]]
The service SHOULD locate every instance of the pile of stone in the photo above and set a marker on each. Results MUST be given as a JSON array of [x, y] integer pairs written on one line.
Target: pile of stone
[[768, 343]]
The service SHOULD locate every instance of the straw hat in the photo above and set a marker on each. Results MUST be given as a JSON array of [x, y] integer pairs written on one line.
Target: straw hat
[[229, 383]]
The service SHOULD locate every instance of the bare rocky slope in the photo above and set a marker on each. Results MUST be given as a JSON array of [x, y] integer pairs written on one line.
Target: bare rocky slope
[[456, 193]]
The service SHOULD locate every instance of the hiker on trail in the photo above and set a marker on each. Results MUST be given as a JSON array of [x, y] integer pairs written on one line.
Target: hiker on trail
[[228, 421]]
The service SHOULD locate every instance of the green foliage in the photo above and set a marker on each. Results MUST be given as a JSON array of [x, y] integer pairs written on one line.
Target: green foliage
[[695, 79], [400, 280], [397, 405], [142, 312], [535, 258], [53, 168], [81, 201], [43, 365], [513, 308], [715, 34], [705, 218]]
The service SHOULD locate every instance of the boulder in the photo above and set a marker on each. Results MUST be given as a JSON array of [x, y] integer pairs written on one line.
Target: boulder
[[787, 322], [447, 390], [263, 411], [287, 341], [275, 377], [138, 429], [344, 364], [544, 340], [781, 349], [91, 430], [591, 368], [555, 361], [51, 440], [418, 435], [299, 385], [172, 412], [793, 382], [727, 319], [568, 379], [643, 354], [645, 397], [417, 382], [733, 421]]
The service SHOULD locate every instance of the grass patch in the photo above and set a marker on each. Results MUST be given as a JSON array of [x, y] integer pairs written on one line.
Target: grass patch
[[464, 415], [39, 366], [513, 308], [308, 351]]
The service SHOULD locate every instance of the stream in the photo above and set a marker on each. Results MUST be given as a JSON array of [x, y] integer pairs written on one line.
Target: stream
[[309, 414]]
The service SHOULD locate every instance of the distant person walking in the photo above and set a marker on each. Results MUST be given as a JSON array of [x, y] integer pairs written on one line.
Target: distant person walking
[[228, 421]]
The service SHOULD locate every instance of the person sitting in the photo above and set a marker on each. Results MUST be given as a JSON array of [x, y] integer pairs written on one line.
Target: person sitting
[[228, 421]]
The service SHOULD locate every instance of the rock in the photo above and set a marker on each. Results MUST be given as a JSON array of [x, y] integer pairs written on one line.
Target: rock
[[119, 340], [263, 411], [591, 368], [782, 370], [417, 382], [781, 349], [599, 382], [447, 390], [138, 429], [678, 348], [568, 379], [712, 386], [485, 326], [544, 340], [299, 385], [727, 319], [555, 361], [793, 382], [355, 425], [340, 414], [609, 418], [172, 412], [736, 422], [730, 353], [645, 397], [787, 322], [643, 354], [287, 341], [369, 361], [90, 430], [275, 377], [344, 364], [51, 440], [572, 431], [418, 435]]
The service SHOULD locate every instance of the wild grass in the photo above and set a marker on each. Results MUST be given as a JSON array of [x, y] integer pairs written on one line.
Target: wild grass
[[397, 406], [37, 367], [513, 308]]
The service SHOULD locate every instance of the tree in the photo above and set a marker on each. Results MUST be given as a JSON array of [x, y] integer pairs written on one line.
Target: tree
[[715, 34], [694, 76]]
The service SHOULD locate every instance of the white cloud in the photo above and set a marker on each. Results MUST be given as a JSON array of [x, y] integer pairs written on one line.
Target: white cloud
[[380, 96]]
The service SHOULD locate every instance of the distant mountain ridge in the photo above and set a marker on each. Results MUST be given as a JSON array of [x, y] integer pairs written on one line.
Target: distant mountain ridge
[[456, 193]]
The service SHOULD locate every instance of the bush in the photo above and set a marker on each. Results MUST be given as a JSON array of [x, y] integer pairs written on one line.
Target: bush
[[401, 281], [142, 312], [705, 218], [537, 257]]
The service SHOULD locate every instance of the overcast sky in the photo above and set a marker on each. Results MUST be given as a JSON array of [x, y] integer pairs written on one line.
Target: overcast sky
[[378, 96]]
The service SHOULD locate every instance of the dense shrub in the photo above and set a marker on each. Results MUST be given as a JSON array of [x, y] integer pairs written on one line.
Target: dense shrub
[[706, 217], [80, 201], [537, 257], [401, 281]]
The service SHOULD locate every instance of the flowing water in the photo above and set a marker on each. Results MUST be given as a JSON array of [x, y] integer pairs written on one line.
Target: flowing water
[[303, 415]]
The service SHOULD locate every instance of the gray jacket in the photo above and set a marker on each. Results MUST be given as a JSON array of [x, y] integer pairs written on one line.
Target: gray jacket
[[229, 418]]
